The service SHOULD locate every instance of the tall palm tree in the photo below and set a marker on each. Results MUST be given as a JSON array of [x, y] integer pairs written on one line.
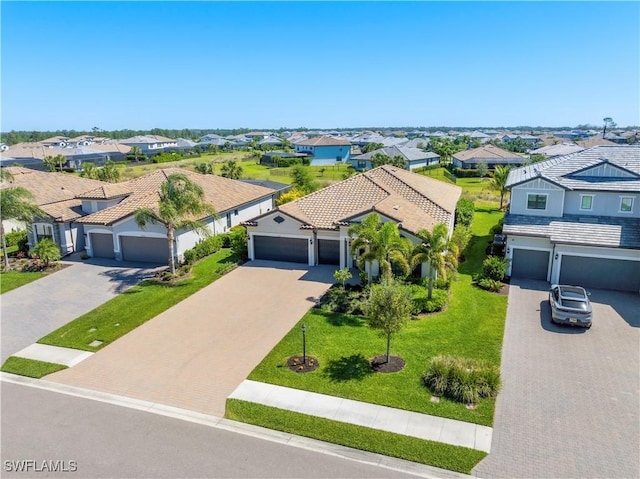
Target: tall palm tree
[[363, 241], [436, 252], [231, 169], [16, 204], [181, 200], [499, 181]]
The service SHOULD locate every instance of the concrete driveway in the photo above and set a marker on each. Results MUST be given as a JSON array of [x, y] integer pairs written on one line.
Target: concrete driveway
[[35, 309], [570, 402], [195, 354]]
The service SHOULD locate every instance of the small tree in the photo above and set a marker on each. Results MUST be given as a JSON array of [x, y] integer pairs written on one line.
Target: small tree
[[54, 163], [482, 169], [464, 212], [343, 275], [303, 179], [608, 123], [47, 250], [109, 172], [499, 181], [231, 169], [136, 152], [89, 170], [389, 308], [205, 168]]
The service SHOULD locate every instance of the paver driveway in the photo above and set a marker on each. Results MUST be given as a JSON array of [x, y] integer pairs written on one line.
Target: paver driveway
[[195, 354], [570, 403], [35, 309]]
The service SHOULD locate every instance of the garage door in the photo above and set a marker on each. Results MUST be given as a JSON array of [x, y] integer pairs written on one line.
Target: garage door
[[600, 273], [102, 245], [274, 248], [530, 264], [328, 252], [145, 250]]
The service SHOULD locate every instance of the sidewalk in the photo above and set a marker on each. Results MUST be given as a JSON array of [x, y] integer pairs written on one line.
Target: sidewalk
[[53, 354], [384, 418]]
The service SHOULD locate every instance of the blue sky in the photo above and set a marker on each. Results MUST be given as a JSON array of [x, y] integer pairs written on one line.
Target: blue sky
[[114, 65]]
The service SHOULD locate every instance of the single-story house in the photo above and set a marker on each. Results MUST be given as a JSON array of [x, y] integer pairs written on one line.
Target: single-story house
[[314, 229], [150, 144], [490, 155], [560, 149], [575, 219], [413, 157]]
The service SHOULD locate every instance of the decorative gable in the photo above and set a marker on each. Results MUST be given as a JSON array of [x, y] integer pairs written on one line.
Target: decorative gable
[[604, 170], [537, 184]]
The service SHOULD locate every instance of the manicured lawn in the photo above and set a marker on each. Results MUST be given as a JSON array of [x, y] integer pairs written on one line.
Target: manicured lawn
[[30, 367], [132, 308], [471, 326], [441, 455], [12, 280]]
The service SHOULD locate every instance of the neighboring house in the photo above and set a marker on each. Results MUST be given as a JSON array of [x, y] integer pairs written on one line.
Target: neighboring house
[[490, 155], [32, 155], [418, 142], [325, 150], [315, 228], [594, 141], [413, 157], [56, 194], [270, 141], [269, 157], [481, 137], [561, 149], [150, 144], [576, 219], [111, 230]]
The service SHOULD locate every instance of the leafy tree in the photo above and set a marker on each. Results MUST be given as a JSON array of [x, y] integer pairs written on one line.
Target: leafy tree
[[608, 123], [303, 179], [389, 308], [379, 159], [517, 145], [89, 170], [435, 250], [475, 143], [109, 172], [180, 200], [372, 147], [16, 203], [482, 169], [443, 147], [213, 149], [499, 181], [537, 158], [54, 163], [231, 169], [464, 212], [291, 195], [238, 242], [47, 250], [136, 152], [343, 275], [461, 237], [205, 168]]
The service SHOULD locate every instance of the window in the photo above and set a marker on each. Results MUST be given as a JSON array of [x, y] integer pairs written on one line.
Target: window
[[228, 220], [235, 212], [43, 231], [536, 202], [626, 204], [338, 158], [586, 202], [362, 164]]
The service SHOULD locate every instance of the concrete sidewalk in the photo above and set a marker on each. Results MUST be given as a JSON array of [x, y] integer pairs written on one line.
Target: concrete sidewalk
[[384, 418], [53, 354]]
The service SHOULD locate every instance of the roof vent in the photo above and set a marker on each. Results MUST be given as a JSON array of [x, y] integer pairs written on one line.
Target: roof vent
[[278, 219], [396, 207]]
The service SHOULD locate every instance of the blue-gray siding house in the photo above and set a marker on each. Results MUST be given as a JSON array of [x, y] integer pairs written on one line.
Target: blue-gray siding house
[[325, 150], [414, 157]]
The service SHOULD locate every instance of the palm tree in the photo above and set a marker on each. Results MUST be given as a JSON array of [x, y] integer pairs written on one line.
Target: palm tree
[[89, 170], [436, 252], [363, 236], [16, 204], [136, 151], [180, 201], [47, 250], [231, 169], [499, 181]]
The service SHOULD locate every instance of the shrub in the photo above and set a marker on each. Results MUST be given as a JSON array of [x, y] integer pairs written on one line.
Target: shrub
[[497, 228], [238, 242], [464, 213], [13, 238], [347, 300], [46, 250], [423, 305], [462, 379], [442, 283], [204, 248], [489, 284], [461, 237], [166, 157], [223, 268], [494, 268]]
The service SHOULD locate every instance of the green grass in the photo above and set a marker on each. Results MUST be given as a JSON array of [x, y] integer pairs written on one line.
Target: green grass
[[30, 367], [471, 326], [13, 279], [132, 308], [454, 458], [10, 249]]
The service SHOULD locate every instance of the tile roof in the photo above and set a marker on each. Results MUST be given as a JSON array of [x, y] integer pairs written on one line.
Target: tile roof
[[562, 170], [412, 199], [594, 141], [325, 140], [560, 149], [55, 193], [408, 153], [143, 192], [579, 230], [486, 152], [147, 139]]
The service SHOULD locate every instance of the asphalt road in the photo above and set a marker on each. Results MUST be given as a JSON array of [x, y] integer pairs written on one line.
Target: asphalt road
[[92, 439]]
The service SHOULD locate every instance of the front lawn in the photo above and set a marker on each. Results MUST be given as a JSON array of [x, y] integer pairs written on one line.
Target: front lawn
[[30, 367], [13, 279], [128, 310], [472, 326]]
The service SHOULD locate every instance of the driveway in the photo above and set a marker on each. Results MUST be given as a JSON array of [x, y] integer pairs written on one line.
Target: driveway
[[35, 309], [570, 402], [195, 354]]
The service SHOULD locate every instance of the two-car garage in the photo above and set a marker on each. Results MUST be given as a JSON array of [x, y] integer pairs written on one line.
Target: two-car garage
[[133, 248], [295, 250], [600, 273]]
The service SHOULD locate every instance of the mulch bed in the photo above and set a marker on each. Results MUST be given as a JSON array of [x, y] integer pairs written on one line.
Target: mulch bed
[[380, 365], [297, 365]]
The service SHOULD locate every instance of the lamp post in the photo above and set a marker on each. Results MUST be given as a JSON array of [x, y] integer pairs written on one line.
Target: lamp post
[[304, 344]]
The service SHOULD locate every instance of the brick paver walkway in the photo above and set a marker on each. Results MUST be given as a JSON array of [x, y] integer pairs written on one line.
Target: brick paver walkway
[[570, 403], [195, 354]]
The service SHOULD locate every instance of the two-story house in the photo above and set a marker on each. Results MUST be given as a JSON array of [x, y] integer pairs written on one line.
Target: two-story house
[[575, 219], [325, 150]]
